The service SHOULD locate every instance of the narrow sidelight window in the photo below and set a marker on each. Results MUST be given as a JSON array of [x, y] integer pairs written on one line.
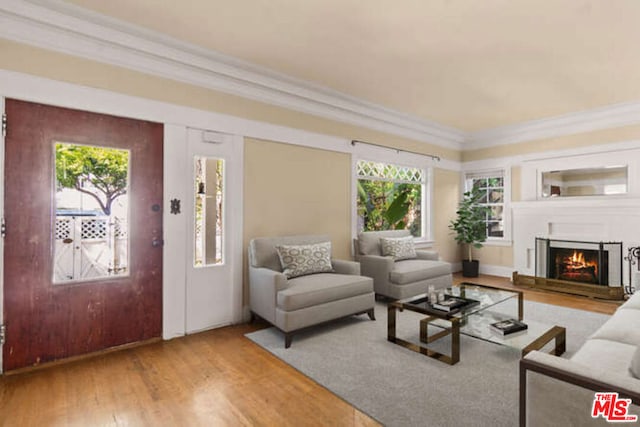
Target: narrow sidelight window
[[209, 211]]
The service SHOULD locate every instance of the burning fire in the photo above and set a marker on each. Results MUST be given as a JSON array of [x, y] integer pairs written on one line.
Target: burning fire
[[577, 262]]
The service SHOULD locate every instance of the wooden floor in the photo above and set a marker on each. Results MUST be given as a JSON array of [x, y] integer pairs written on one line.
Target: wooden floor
[[555, 298], [217, 377]]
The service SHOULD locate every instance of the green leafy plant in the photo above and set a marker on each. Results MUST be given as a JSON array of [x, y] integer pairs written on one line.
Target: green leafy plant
[[386, 205], [469, 225], [96, 171]]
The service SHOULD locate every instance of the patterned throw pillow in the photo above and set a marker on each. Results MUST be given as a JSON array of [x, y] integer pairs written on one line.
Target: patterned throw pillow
[[398, 247], [301, 260]]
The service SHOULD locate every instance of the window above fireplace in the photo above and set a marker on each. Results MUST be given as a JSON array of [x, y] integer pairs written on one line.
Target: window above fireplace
[[593, 181]]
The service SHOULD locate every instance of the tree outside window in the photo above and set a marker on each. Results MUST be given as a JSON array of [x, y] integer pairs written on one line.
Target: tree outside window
[[389, 197]]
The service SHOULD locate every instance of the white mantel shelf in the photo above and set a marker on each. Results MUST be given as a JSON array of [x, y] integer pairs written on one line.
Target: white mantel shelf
[[579, 202]]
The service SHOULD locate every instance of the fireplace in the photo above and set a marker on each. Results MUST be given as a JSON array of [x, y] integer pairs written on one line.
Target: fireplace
[[579, 265], [593, 263]]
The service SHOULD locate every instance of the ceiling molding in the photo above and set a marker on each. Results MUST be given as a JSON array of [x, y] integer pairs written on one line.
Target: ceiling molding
[[75, 31], [611, 116]]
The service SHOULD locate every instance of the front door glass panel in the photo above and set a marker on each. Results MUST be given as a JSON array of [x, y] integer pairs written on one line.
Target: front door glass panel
[[90, 233]]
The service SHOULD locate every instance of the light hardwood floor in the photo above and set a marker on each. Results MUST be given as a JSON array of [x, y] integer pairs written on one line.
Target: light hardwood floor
[[217, 377]]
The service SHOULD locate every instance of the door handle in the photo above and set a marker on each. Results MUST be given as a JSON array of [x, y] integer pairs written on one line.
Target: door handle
[[157, 243]]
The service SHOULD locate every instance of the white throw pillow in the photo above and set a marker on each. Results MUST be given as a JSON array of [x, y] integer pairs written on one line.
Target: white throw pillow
[[398, 247], [300, 260], [634, 368]]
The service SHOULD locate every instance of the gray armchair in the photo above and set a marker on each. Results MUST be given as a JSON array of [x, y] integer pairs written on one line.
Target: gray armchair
[[398, 279], [300, 302]]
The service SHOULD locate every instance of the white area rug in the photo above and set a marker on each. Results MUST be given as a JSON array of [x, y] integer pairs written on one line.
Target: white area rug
[[398, 387]]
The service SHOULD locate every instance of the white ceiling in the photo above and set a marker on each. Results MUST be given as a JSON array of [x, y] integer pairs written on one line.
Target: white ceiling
[[472, 65]]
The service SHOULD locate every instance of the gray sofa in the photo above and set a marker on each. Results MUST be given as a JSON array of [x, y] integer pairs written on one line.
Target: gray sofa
[[560, 392], [300, 302], [403, 278]]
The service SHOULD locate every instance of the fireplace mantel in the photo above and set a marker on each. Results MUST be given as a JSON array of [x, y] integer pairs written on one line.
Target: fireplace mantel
[[593, 219], [579, 203]]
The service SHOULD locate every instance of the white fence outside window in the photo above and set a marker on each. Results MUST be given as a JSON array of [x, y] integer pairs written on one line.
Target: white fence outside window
[[89, 247]]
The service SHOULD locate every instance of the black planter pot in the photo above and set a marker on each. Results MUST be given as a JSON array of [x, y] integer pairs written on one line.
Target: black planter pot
[[470, 268]]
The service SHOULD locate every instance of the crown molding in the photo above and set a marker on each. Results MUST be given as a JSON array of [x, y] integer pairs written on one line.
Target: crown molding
[[611, 116], [69, 29]]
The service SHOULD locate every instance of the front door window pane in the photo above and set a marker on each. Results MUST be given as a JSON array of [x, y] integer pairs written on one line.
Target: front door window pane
[[90, 230]]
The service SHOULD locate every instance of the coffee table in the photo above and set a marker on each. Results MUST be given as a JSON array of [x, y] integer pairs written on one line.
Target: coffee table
[[473, 320]]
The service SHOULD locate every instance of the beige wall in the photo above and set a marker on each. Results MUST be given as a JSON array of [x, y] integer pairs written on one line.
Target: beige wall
[[501, 256], [446, 194], [599, 137], [516, 182], [298, 190], [290, 189]]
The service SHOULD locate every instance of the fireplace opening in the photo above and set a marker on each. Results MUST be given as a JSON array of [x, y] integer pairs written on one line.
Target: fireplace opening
[[593, 263], [579, 265]]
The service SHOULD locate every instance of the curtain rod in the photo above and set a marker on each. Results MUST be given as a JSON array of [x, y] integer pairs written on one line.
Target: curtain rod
[[397, 150]]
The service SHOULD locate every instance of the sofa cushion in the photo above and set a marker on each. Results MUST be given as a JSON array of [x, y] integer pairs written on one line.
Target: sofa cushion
[[300, 260], [413, 270], [634, 366], [398, 247], [621, 327], [307, 291], [611, 356], [369, 241], [633, 302]]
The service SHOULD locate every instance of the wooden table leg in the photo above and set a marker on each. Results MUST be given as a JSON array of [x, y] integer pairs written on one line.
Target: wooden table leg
[[391, 323]]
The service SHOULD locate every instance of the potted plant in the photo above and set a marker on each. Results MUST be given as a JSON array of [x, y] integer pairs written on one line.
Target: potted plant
[[470, 228]]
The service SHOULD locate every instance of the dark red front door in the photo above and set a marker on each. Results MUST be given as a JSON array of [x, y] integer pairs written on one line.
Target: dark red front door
[[46, 321]]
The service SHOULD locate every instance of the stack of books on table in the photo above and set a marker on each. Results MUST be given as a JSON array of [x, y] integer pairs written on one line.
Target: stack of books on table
[[508, 327], [450, 303]]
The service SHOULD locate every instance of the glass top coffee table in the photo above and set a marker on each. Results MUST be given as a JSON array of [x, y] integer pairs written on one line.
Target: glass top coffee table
[[486, 305]]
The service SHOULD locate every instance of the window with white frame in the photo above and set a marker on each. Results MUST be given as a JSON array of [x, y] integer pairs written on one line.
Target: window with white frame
[[391, 197], [492, 187]]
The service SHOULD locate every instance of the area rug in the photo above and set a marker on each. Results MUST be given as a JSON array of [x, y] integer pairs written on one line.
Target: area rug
[[398, 387]]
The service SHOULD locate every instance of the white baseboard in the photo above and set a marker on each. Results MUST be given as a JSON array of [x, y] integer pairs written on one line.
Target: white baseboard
[[246, 314], [491, 270], [496, 270]]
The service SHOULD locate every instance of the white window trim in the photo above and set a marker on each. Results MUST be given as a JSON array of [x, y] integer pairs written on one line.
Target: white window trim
[[408, 160], [506, 215]]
